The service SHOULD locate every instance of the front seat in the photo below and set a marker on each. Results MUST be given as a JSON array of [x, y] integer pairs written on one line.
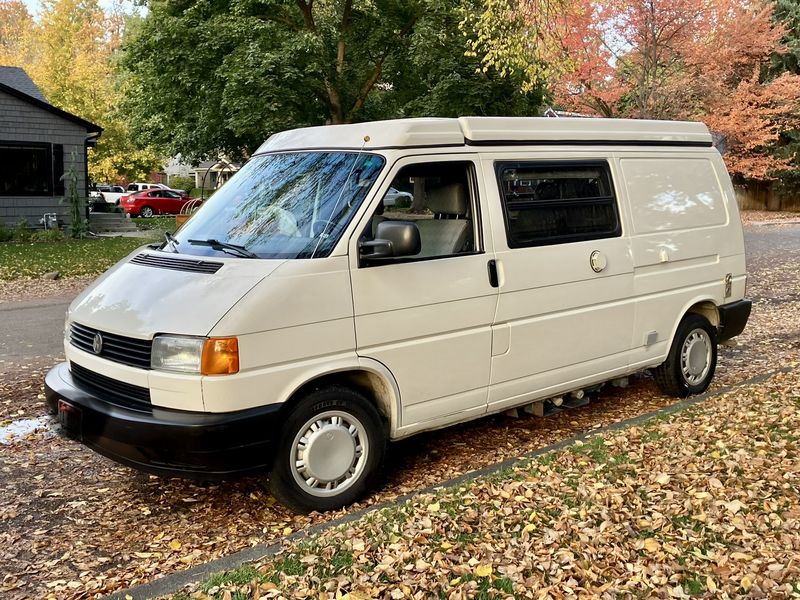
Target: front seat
[[449, 230]]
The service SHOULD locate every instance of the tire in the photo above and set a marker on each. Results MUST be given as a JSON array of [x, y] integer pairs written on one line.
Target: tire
[[351, 431], [146, 212], [692, 358]]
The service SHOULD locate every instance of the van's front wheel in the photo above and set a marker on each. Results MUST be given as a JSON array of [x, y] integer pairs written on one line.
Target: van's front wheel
[[328, 453], [692, 359]]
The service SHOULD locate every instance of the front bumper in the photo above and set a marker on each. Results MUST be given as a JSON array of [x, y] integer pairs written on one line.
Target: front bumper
[[732, 318], [164, 441]]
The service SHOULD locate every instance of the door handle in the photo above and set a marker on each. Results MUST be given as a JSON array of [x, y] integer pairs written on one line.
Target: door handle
[[493, 279]]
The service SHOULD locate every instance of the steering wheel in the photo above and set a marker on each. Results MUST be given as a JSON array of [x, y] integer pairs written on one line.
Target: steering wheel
[[321, 226], [282, 220]]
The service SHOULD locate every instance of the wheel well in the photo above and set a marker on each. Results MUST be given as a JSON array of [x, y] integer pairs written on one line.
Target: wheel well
[[372, 385], [706, 309]]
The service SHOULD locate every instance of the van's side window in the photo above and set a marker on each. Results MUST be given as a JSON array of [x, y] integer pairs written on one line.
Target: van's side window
[[556, 203], [439, 198]]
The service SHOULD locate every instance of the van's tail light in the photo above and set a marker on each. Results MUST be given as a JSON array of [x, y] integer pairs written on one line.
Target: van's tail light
[[220, 356]]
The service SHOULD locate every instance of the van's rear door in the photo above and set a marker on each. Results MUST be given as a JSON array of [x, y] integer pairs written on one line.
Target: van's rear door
[[565, 310]]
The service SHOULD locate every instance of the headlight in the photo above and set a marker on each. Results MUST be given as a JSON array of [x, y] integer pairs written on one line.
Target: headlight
[[173, 353], [207, 356]]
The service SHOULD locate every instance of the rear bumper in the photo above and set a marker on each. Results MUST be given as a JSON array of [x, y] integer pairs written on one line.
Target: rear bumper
[[163, 441], [732, 318]]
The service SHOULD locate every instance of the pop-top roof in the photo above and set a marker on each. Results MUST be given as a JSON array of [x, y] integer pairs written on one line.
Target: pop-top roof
[[491, 131]]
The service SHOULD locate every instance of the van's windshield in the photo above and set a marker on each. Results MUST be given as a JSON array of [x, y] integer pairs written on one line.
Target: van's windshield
[[284, 205]]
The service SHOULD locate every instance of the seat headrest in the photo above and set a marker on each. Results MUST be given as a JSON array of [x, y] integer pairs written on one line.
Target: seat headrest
[[448, 199]]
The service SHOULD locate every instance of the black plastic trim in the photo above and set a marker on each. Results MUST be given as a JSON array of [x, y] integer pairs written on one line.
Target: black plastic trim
[[166, 442], [177, 264], [650, 143], [733, 318]]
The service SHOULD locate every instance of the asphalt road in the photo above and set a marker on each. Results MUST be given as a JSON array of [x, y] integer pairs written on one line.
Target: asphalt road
[[31, 332]]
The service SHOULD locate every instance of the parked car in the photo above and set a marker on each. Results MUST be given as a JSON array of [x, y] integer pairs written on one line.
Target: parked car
[[156, 201], [393, 195], [138, 186], [107, 193], [275, 333]]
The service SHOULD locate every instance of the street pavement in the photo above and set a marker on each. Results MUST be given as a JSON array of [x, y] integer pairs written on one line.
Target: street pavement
[[31, 332]]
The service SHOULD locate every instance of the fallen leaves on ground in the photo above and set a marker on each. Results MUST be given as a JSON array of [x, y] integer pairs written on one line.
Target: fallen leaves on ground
[[706, 502]]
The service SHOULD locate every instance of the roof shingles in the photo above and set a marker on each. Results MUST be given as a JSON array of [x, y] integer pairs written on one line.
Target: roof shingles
[[17, 78]]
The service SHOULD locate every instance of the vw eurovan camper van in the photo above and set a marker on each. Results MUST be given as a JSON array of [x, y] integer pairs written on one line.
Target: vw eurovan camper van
[[297, 323]]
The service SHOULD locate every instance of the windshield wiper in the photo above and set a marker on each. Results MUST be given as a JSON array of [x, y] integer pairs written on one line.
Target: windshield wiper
[[225, 247], [171, 241]]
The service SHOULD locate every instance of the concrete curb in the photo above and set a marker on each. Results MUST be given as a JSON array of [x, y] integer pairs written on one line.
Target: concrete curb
[[173, 583]]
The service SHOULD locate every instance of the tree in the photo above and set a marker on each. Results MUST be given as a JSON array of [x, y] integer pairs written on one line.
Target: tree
[[754, 121], [687, 59], [786, 13], [205, 78], [16, 27]]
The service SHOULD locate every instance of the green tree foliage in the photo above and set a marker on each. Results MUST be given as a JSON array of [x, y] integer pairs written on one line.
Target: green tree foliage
[[787, 14], [210, 76]]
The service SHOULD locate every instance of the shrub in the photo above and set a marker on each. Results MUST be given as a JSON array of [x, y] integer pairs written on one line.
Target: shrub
[[181, 183], [6, 234], [22, 232], [198, 192], [403, 202], [48, 235]]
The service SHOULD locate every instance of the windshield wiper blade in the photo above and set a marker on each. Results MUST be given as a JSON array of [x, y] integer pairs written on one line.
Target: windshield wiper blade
[[225, 247]]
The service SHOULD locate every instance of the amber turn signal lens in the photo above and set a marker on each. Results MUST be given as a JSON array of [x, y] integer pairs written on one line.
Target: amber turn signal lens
[[220, 356]]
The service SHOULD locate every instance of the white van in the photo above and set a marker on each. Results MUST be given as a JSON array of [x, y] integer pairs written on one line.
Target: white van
[[295, 323]]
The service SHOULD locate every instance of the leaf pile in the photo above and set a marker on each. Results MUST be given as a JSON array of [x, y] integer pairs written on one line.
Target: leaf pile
[[704, 503]]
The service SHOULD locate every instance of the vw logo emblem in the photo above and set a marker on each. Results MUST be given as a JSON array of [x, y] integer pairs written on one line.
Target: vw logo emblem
[[97, 343]]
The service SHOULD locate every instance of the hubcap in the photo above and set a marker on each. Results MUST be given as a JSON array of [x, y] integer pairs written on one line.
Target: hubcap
[[696, 356], [329, 453]]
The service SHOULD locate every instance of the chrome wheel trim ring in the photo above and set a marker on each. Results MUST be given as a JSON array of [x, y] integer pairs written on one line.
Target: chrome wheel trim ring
[[696, 356], [329, 453]]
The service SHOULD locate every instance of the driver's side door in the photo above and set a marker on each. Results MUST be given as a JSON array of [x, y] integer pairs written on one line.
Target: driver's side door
[[428, 317]]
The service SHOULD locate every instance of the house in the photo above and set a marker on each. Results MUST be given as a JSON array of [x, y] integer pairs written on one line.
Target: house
[[211, 174], [38, 144]]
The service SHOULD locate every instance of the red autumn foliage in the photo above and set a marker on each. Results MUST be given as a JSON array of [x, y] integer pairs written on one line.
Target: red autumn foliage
[[682, 59]]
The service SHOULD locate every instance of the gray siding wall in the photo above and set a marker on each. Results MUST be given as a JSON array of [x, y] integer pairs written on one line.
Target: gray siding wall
[[23, 122]]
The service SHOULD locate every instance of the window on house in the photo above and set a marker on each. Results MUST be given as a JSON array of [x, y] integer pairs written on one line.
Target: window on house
[[547, 203], [25, 170]]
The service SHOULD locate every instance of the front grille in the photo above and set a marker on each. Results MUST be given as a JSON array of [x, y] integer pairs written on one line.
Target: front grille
[[111, 390], [120, 349], [176, 264]]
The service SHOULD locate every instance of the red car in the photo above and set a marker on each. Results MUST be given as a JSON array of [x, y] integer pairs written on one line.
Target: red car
[[156, 202]]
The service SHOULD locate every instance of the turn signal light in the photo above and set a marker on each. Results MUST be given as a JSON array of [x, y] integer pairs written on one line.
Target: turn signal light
[[220, 356]]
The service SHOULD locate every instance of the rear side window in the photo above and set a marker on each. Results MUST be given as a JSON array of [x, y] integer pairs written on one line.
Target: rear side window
[[557, 203]]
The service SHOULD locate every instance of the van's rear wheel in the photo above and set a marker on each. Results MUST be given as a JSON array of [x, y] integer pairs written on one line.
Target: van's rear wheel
[[692, 359], [329, 451]]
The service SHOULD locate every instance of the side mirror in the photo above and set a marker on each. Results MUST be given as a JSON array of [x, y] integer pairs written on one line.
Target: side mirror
[[392, 239]]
